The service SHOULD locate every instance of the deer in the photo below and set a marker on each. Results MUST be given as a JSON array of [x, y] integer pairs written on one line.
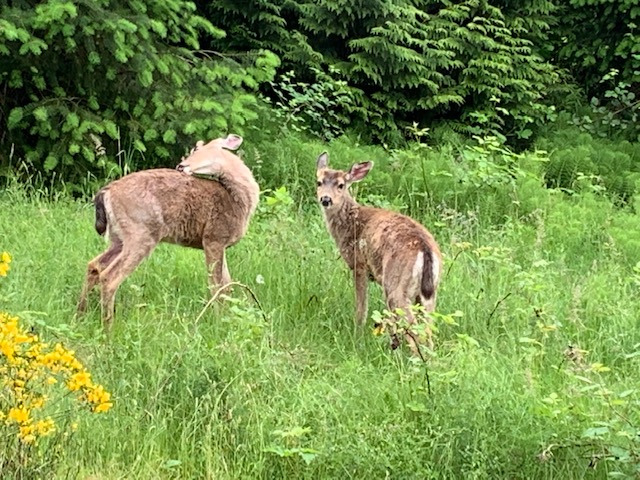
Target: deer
[[381, 245], [205, 203]]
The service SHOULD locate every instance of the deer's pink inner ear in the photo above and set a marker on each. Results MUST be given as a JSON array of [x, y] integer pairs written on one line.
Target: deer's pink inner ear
[[323, 161], [359, 171], [232, 142]]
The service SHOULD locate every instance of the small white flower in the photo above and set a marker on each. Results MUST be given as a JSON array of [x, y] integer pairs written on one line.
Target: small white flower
[[260, 279]]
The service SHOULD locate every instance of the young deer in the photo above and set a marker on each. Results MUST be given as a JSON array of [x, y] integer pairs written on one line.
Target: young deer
[[145, 208], [390, 248]]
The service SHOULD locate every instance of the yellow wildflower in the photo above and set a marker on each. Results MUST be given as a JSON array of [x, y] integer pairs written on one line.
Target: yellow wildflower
[[5, 260], [97, 395], [103, 407], [7, 349], [378, 329], [28, 370], [26, 434], [79, 380], [38, 402], [19, 415], [45, 427]]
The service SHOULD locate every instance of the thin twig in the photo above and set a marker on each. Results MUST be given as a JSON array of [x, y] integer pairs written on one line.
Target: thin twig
[[631, 105], [452, 262], [424, 361], [496, 307], [312, 297], [215, 296]]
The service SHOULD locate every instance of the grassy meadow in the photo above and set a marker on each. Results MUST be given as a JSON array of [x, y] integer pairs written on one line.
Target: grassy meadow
[[535, 374]]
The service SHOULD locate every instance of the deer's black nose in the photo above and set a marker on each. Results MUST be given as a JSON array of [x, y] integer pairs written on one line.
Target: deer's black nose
[[326, 201], [180, 168]]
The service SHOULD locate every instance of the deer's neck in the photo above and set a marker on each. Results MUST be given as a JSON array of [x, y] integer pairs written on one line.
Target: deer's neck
[[345, 223], [238, 180]]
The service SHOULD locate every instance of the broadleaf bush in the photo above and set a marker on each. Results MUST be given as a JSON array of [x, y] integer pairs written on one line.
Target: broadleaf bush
[[85, 81]]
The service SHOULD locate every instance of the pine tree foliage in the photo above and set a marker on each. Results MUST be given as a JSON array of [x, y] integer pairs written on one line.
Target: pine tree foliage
[[476, 64], [81, 78], [262, 25], [464, 62]]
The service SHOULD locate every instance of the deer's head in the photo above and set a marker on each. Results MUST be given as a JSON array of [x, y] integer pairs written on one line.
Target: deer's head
[[208, 159], [333, 185]]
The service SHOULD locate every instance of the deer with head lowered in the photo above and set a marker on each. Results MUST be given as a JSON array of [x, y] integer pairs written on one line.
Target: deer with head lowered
[[387, 247], [142, 209]]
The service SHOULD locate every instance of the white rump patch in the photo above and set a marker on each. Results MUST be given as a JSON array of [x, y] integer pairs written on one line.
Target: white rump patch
[[106, 202], [435, 264], [416, 273]]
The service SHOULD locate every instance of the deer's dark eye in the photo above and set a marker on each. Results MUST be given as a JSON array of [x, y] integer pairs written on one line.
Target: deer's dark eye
[[340, 186], [319, 183]]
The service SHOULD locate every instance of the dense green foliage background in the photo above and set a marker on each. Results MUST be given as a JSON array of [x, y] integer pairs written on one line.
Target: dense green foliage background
[[94, 87]]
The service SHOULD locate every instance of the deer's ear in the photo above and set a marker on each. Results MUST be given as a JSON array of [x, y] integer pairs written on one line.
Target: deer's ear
[[323, 161], [359, 171], [232, 142]]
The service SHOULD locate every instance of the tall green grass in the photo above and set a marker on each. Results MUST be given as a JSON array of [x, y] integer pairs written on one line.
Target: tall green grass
[[287, 387]]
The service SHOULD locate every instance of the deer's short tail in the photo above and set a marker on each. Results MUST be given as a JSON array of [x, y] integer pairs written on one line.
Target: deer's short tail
[[430, 272], [101, 213]]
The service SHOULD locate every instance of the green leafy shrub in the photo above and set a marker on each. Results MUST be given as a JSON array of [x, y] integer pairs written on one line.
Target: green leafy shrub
[[86, 81], [580, 161], [595, 36], [614, 115], [319, 108]]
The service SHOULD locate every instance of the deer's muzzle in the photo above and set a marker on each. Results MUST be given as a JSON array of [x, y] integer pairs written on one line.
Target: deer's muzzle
[[326, 201]]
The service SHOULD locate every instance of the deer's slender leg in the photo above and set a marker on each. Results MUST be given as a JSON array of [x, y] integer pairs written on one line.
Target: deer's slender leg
[[361, 279], [226, 276], [214, 257], [119, 269], [94, 267]]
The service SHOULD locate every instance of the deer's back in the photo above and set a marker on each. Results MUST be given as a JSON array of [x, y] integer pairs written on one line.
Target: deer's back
[[390, 240], [173, 207]]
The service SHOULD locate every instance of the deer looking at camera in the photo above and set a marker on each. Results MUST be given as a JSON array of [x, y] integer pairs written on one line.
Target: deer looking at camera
[[381, 245], [145, 208]]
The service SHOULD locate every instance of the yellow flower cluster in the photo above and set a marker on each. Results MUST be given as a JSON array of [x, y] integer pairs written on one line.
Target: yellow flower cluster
[[5, 260], [29, 369]]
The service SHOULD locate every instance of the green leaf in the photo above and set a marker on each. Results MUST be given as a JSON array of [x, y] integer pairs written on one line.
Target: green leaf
[[146, 78], [35, 46], [526, 133], [172, 463], [71, 122], [595, 432], [94, 58], [169, 136], [308, 455], [111, 129], [41, 114], [93, 103], [139, 145], [50, 163], [417, 407], [15, 116]]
